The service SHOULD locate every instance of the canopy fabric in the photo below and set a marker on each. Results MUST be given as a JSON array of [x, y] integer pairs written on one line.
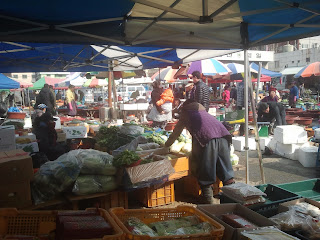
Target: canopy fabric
[[134, 81], [209, 67], [210, 24], [96, 82], [74, 79], [8, 83], [45, 80], [291, 70], [166, 74], [44, 57], [309, 70], [237, 68], [265, 71]]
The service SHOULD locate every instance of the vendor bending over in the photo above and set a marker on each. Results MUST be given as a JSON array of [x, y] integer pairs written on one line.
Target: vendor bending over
[[272, 112], [210, 147]]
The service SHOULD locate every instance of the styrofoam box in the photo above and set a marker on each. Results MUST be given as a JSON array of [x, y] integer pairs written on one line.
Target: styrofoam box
[[265, 142], [308, 156], [239, 143], [27, 123], [75, 132], [289, 134], [290, 151], [7, 138], [28, 147]]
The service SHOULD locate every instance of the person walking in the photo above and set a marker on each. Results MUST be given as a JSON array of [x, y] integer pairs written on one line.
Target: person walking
[[71, 101], [54, 100], [226, 94], [46, 97], [210, 147], [201, 90], [158, 116]]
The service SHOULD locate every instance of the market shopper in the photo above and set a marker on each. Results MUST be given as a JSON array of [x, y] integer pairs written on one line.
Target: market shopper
[[59, 95], [272, 112], [201, 90], [54, 100], [294, 94], [158, 116], [210, 147], [190, 91], [44, 129], [46, 97], [226, 94], [71, 101], [272, 96]]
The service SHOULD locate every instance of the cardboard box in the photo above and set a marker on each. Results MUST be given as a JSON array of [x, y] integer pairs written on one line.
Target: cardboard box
[[28, 147], [61, 137], [15, 167], [75, 132], [230, 233], [7, 138], [15, 195]]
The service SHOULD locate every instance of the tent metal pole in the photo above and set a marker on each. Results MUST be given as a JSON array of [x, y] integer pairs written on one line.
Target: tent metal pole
[[258, 81], [246, 109], [110, 89]]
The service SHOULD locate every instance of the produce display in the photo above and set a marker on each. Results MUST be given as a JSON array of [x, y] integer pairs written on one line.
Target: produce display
[[126, 158], [178, 226], [112, 138], [90, 184], [268, 233], [237, 221]]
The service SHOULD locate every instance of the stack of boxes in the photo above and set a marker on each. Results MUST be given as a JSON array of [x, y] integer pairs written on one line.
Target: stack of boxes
[[16, 173], [287, 141]]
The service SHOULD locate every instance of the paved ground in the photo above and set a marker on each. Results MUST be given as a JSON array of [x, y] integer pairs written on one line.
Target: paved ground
[[276, 169]]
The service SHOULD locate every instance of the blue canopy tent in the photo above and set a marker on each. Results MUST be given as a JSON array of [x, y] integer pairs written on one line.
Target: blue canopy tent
[[224, 25], [265, 71], [8, 83]]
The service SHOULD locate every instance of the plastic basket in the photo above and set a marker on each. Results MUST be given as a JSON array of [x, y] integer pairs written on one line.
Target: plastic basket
[[308, 188], [42, 223], [157, 195], [154, 215], [236, 115], [16, 115]]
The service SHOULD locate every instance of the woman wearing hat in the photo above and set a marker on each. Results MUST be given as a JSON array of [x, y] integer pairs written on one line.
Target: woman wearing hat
[[272, 96]]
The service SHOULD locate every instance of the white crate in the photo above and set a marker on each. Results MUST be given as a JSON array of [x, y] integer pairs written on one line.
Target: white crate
[[75, 132], [29, 147], [239, 143], [7, 138], [290, 134], [308, 156], [290, 151], [265, 142]]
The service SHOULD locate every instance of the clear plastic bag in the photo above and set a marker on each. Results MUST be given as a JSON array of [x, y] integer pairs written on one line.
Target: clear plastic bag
[[96, 163], [131, 129], [56, 176], [267, 233], [90, 184], [149, 171], [290, 220], [132, 146], [137, 227], [241, 190], [148, 146]]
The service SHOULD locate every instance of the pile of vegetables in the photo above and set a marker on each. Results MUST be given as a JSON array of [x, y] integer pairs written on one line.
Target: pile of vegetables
[[126, 158], [112, 138], [184, 145], [178, 226]]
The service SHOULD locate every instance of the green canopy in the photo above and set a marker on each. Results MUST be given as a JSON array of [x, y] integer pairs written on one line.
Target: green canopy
[[40, 83]]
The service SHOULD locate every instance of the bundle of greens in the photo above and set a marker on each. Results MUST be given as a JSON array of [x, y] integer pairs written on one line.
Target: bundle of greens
[[112, 138], [126, 158], [139, 228], [156, 138], [90, 184]]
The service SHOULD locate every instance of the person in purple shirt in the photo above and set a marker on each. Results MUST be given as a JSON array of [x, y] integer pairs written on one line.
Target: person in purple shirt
[[294, 94], [210, 147], [272, 96]]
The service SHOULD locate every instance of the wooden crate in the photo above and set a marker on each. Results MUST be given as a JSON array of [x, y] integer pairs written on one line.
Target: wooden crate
[[157, 195], [192, 187], [103, 200]]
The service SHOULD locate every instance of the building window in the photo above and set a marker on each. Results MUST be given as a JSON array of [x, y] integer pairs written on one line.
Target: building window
[[308, 59], [24, 76], [15, 76]]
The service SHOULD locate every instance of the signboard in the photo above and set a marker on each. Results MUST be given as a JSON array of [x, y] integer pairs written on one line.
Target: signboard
[[254, 56]]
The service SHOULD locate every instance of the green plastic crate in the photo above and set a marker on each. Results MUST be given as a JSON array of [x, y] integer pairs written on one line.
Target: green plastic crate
[[264, 131], [307, 189]]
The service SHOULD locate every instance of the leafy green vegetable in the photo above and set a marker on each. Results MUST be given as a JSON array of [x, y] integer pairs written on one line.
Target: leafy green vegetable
[[111, 138], [156, 138], [126, 158]]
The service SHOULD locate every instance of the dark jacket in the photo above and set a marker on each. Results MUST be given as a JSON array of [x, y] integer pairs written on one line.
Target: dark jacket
[[156, 96], [202, 94], [202, 126], [46, 97], [276, 110]]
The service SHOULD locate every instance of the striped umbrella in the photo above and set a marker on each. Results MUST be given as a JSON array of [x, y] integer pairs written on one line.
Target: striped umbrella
[[238, 68], [209, 67], [308, 71], [166, 74], [96, 82]]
